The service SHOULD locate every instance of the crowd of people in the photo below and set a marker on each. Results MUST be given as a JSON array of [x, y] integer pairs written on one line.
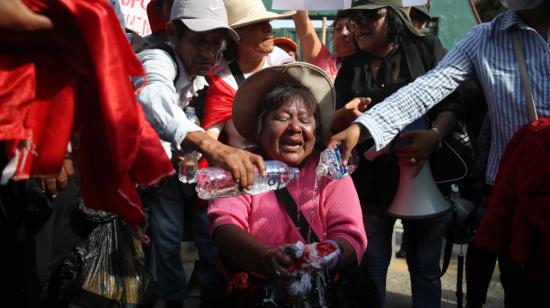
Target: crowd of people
[[121, 130]]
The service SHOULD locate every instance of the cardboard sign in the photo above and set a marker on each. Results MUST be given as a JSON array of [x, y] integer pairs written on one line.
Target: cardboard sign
[[311, 4], [135, 15]]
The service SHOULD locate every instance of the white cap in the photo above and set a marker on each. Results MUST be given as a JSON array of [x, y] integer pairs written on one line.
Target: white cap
[[202, 15]]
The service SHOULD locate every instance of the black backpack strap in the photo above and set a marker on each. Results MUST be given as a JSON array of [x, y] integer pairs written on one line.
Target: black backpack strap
[[171, 53], [236, 71], [286, 201]]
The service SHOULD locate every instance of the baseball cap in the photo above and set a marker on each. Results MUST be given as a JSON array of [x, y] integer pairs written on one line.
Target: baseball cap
[[202, 15]]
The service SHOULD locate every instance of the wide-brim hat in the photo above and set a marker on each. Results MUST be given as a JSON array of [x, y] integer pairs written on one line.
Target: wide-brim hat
[[201, 15], [241, 13], [394, 5], [247, 103]]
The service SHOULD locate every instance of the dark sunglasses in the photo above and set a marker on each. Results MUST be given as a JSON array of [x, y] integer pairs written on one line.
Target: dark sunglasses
[[367, 16]]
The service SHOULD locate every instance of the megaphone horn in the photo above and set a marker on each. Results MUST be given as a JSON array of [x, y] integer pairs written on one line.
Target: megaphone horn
[[419, 197]]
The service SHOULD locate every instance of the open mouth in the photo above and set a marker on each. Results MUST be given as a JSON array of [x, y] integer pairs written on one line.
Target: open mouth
[[292, 145]]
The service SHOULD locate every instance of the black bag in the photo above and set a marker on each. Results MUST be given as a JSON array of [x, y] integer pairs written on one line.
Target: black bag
[[454, 160], [108, 269]]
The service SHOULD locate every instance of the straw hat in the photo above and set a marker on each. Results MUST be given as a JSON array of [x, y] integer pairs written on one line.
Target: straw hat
[[245, 12], [202, 15], [247, 103]]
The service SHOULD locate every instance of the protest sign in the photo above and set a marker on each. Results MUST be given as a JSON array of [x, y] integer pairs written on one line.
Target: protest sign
[[135, 15]]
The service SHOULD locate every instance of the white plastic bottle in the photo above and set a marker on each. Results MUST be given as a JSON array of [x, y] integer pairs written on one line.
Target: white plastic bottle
[[214, 182], [330, 164], [188, 167]]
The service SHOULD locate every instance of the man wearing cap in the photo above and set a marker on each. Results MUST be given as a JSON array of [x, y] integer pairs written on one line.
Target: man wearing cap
[[253, 51], [196, 32], [490, 52]]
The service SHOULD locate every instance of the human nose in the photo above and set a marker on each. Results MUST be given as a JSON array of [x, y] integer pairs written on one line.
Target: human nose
[[295, 126]]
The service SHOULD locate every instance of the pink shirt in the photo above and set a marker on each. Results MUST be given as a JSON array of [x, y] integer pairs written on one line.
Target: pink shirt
[[336, 215], [327, 62]]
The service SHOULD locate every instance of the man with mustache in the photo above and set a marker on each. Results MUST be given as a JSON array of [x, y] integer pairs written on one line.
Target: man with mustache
[[174, 74]]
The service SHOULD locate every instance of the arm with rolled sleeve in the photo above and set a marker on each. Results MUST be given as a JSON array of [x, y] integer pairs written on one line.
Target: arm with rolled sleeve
[[386, 119], [159, 98]]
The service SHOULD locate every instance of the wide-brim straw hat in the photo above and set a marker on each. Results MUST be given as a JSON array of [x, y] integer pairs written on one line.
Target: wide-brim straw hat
[[241, 13], [201, 15], [394, 5], [249, 97]]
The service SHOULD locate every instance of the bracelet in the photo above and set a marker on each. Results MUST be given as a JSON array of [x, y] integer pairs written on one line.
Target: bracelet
[[437, 133]]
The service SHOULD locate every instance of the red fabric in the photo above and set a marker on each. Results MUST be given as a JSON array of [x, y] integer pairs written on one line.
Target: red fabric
[[218, 105], [517, 221], [155, 21], [75, 81]]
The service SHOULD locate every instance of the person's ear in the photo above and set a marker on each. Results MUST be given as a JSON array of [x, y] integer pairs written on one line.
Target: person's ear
[[171, 32]]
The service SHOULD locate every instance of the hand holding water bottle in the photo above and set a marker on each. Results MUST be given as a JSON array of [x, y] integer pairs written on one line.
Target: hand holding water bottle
[[331, 164], [214, 182]]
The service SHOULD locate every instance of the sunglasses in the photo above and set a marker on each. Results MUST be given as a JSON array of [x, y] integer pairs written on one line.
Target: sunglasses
[[367, 16]]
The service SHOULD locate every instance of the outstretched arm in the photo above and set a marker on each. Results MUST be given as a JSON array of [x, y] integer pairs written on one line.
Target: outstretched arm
[[311, 44]]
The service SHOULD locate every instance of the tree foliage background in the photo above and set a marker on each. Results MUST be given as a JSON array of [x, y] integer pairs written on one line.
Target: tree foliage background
[[488, 9]]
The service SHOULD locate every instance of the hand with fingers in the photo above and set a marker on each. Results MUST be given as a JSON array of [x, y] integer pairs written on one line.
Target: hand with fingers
[[51, 186], [276, 263], [348, 139], [344, 116], [423, 142], [17, 17], [241, 163]]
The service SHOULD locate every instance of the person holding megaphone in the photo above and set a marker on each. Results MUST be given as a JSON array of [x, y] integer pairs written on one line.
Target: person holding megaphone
[[392, 54]]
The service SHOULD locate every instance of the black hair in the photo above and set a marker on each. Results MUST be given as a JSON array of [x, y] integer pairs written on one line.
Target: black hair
[[181, 28], [283, 94], [396, 27], [340, 14]]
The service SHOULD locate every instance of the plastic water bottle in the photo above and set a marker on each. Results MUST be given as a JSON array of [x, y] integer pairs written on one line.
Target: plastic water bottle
[[188, 167], [330, 164], [214, 182]]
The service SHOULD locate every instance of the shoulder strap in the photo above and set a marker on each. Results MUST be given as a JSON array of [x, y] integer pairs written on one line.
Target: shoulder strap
[[171, 53], [236, 71], [524, 76], [286, 201]]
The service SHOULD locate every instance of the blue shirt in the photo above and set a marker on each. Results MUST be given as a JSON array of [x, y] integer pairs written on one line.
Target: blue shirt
[[488, 52]]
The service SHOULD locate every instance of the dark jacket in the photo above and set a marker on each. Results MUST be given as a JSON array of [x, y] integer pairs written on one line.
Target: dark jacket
[[378, 179]]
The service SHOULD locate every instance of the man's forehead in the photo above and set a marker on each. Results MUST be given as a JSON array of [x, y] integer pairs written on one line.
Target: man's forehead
[[212, 33]]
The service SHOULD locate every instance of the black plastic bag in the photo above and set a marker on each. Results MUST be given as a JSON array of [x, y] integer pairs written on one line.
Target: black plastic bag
[[108, 269]]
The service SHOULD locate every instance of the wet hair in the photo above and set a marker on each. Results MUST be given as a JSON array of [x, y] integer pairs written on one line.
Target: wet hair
[[283, 94], [396, 28]]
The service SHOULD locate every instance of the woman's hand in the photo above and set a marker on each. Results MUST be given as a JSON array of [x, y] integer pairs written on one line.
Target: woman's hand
[[419, 150], [276, 263], [344, 116]]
